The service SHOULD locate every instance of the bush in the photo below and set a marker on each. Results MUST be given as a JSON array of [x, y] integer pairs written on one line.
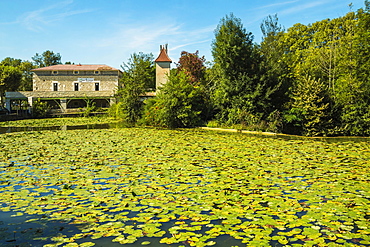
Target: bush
[[40, 109], [179, 104], [116, 111], [310, 110], [90, 107]]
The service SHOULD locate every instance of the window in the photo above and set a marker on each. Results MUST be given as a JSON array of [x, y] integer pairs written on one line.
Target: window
[[96, 72], [55, 86], [54, 72], [76, 72], [97, 87], [76, 87]]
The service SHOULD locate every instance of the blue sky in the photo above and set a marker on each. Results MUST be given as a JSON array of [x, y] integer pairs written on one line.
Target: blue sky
[[109, 31]]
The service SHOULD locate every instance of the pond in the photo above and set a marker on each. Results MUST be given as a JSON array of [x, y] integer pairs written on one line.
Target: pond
[[144, 186]]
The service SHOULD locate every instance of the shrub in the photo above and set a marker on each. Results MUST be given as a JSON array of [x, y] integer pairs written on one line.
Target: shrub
[[40, 109], [179, 104]]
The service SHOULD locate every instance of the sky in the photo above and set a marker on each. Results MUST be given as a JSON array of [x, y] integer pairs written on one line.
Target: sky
[[109, 31]]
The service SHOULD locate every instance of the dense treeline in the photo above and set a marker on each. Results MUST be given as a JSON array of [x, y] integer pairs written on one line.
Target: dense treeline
[[16, 75], [309, 79]]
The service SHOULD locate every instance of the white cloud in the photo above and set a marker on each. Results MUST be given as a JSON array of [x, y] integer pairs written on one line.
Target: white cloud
[[136, 37], [301, 7], [276, 4], [188, 44], [37, 19]]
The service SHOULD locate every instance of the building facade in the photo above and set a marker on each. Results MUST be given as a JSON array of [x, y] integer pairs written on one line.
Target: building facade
[[69, 87]]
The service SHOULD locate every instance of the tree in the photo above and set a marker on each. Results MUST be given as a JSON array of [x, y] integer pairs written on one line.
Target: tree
[[233, 49], [141, 69], [40, 109], [47, 58], [9, 61], [238, 92], [193, 66], [10, 78], [274, 69], [310, 109], [179, 104], [138, 77], [25, 83]]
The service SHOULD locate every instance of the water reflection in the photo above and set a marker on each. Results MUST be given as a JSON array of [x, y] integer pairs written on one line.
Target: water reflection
[[123, 125], [62, 127]]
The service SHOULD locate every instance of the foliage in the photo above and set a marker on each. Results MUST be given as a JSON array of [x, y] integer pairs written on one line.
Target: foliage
[[233, 50], [193, 66], [115, 111], [332, 52], [40, 109], [181, 187], [10, 78], [139, 69], [240, 94], [90, 108], [179, 104], [273, 68], [355, 119], [310, 109], [25, 83], [130, 103], [138, 77], [47, 58]]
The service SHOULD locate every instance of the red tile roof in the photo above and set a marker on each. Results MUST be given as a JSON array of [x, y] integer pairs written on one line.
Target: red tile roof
[[163, 57], [76, 67]]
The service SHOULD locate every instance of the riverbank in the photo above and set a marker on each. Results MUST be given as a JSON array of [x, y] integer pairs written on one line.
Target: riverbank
[[292, 137]]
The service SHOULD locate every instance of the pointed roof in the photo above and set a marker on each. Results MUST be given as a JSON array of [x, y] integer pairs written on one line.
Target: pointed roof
[[163, 57], [76, 67]]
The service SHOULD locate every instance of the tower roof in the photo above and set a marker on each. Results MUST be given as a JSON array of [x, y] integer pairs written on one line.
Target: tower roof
[[163, 57]]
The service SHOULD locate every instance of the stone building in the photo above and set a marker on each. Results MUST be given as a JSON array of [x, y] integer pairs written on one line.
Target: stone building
[[70, 87]]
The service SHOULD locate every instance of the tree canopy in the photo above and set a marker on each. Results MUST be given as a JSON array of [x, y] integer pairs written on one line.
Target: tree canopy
[[192, 65], [138, 77], [47, 58]]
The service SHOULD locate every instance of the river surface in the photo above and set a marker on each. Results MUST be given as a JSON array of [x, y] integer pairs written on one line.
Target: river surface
[[14, 129]]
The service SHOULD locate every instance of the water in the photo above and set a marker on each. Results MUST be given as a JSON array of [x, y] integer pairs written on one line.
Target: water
[[13, 129]]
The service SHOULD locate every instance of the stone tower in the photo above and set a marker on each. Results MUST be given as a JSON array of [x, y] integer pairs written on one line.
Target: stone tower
[[162, 67]]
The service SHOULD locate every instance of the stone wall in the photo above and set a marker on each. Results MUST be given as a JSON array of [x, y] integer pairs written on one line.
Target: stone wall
[[162, 73], [43, 81]]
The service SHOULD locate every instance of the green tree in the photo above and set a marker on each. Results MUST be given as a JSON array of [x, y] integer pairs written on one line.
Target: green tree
[[274, 69], [138, 77], [25, 83], [363, 41], [47, 58], [40, 109], [179, 104], [10, 78], [309, 111], [9, 61], [141, 69], [238, 91], [232, 49]]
